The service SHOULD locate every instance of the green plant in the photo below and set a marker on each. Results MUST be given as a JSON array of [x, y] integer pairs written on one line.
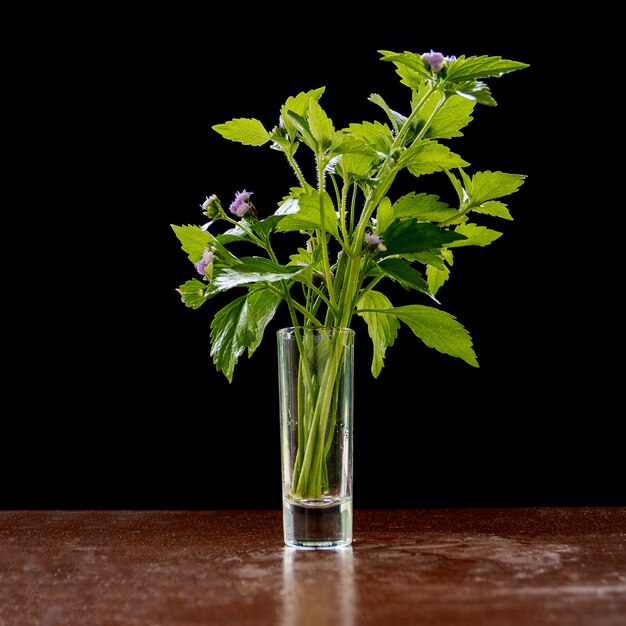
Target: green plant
[[357, 236]]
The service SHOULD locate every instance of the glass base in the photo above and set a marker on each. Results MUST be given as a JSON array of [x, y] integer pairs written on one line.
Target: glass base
[[318, 523]]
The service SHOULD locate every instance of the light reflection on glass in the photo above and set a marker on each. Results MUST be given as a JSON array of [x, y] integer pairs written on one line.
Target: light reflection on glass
[[318, 587]]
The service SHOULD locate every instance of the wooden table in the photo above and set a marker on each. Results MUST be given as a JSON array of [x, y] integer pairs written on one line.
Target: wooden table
[[503, 567]]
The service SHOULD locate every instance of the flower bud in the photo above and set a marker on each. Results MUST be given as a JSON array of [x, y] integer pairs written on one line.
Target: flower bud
[[211, 207]]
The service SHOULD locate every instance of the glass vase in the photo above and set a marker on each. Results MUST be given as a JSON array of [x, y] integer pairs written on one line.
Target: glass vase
[[315, 386]]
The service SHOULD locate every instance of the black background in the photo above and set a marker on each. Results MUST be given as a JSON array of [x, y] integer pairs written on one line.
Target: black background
[[112, 400]]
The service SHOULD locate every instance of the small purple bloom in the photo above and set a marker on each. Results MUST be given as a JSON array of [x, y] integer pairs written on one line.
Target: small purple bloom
[[241, 205], [373, 239], [434, 59], [207, 259]]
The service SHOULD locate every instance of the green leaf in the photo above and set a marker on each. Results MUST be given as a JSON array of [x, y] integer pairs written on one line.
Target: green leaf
[[424, 207], [345, 143], [230, 336], [428, 257], [302, 257], [407, 276], [252, 270], [397, 120], [265, 226], [262, 305], [489, 185], [247, 131], [476, 235], [455, 114], [473, 90], [193, 240], [438, 274], [438, 330], [428, 156], [193, 293], [320, 124], [458, 187], [384, 216], [382, 328], [374, 134], [410, 236], [410, 67], [354, 166], [308, 215], [474, 67], [240, 325], [301, 124], [299, 105], [495, 208]]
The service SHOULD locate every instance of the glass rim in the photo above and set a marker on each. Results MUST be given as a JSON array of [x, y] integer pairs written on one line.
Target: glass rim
[[292, 330]]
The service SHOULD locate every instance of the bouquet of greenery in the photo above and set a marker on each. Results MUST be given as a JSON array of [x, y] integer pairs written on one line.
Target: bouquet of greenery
[[357, 236]]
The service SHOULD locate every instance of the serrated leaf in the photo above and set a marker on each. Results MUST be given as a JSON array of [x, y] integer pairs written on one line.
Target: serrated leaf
[[229, 336], [302, 125], [488, 185], [436, 277], [384, 216], [428, 257], [428, 156], [193, 240], [252, 270], [469, 68], [303, 257], [320, 124], [438, 273], [409, 67], [410, 236], [455, 114], [239, 326], [262, 305], [424, 207], [345, 143], [382, 328], [401, 271], [495, 208], [248, 131], [308, 215], [476, 235], [193, 293], [374, 134], [354, 166], [299, 105], [438, 330], [473, 90]]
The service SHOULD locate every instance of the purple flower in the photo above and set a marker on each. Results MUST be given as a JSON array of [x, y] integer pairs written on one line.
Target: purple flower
[[373, 239], [434, 59], [241, 205], [207, 259]]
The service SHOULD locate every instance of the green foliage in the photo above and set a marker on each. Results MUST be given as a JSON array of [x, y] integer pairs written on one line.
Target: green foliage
[[382, 328], [348, 207], [438, 330], [247, 131]]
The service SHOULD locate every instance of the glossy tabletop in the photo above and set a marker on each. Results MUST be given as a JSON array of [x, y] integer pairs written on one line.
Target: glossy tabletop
[[505, 567]]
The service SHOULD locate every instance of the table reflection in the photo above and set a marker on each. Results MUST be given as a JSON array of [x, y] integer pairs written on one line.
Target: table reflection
[[318, 587]]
